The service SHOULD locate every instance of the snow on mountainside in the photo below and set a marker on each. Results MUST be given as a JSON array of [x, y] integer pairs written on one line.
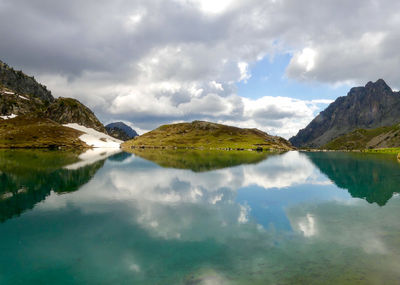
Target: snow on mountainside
[[94, 138], [12, 116]]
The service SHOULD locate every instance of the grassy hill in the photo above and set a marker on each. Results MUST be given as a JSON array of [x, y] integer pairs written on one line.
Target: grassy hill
[[206, 135], [32, 132], [383, 137]]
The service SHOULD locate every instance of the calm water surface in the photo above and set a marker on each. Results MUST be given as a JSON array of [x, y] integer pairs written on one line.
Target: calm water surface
[[199, 218]]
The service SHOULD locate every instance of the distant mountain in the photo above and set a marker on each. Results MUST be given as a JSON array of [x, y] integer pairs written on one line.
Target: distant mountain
[[372, 106], [121, 131], [206, 135]]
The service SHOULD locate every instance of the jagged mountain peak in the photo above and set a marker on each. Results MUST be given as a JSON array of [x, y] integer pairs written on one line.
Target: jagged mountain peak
[[379, 84]]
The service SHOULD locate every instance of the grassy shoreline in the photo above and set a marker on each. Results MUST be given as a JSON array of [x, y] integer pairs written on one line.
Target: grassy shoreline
[[390, 151]]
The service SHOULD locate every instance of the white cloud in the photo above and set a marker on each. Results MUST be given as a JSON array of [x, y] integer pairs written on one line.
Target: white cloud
[[212, 6], [152, 62], [190, 194]]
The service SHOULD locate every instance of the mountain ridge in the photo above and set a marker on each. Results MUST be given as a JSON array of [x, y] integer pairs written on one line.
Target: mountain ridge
[[371, 106], [22, 95]]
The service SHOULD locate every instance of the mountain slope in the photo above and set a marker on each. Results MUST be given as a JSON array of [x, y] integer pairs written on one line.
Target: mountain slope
[[31, 132], [372, 106], [200, 134], [383, 137], [36, 109], [121, 131], [21, 83], [68, 110], [20, 104]]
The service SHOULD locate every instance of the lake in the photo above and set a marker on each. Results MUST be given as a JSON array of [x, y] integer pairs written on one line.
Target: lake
[[199, 218]]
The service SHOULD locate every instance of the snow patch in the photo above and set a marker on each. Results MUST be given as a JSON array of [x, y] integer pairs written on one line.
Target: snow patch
[[12, 116], [91, 156], [94, 138], [8, 92], [22, 97]]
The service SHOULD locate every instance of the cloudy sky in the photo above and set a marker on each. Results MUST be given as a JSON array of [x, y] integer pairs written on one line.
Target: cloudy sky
[[270, 64]]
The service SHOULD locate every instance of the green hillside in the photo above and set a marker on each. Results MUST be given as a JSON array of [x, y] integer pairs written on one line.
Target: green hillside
[[383, 137], [206, 135], [31, 132]]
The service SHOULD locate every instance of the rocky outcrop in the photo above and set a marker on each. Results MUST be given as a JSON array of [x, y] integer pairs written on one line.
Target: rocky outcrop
[[68, 110], [20, 104], [372, 106], [121, 131], [21, 83]]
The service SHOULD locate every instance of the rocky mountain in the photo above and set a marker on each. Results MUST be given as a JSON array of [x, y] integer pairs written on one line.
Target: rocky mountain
[[22, 95], [23, 84], [372, 106], [68, 110], [121, 131], [206, 135], [20, 104]]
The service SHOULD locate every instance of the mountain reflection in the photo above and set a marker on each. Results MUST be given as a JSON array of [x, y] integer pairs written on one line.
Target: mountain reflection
[[28, 177], [374, 178], [140, 223], [200, 160]]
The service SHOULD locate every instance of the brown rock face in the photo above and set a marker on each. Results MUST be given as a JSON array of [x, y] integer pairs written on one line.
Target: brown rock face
[[374, 105], [68, 110], [23, 84], [18, 104]]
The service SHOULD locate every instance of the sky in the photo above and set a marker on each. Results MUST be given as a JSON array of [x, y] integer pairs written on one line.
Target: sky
[[266, 64]]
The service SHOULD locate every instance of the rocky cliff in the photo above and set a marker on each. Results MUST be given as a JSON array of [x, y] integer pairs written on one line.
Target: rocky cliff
[[68, 110], [21, 83], [372, 106]]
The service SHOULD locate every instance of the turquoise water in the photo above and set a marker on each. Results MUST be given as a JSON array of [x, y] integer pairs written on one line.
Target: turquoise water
[[294, 218]]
